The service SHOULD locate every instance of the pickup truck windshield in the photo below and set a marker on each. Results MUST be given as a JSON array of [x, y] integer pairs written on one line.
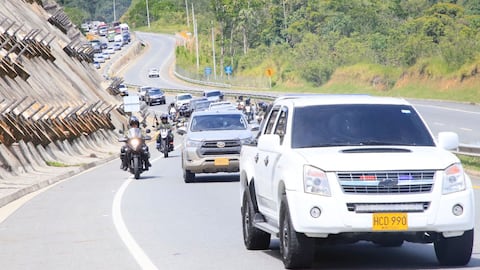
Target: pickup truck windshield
[[218, 122], [358, 124]]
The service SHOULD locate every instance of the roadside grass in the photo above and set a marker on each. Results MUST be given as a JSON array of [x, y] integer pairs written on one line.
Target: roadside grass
[[470, 162], [58, 164]]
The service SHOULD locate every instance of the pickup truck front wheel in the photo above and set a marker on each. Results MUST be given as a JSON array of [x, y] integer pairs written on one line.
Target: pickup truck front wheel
[[188, 176], [296, 248], [454, 251], [253, 238]]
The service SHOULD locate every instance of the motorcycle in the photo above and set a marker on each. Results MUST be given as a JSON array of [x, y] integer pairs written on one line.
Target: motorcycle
[[135, 150], [164, 141]]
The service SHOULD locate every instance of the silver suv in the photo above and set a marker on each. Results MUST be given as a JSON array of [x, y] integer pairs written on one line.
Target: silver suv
[[212, 142]]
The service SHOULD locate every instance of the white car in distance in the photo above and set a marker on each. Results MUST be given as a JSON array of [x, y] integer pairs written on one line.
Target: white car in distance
[[154, 73]]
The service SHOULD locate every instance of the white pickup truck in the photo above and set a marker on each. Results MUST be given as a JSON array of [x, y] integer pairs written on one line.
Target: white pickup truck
[[345, 168]]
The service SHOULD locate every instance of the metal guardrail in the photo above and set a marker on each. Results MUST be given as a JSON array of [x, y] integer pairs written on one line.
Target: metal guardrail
[[468, 150]]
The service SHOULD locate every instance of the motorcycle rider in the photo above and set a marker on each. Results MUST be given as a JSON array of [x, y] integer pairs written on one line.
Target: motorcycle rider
[[173, 111], [135, 123], [164, 124]]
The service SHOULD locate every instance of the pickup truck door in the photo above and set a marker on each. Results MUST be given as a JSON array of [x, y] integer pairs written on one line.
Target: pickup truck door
[[266, 165]]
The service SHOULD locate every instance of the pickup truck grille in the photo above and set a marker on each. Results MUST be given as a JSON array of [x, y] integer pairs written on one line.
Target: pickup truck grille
[[391, 182], [230, 147]]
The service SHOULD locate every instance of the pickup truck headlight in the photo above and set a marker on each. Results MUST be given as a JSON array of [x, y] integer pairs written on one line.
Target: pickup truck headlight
[[315, 181], [246, 140], [453, 179], [193, 143]]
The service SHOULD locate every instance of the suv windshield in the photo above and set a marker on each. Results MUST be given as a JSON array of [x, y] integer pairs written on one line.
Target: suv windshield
[[358, 124], [183, 97], [155, 92], [213, 94], [218, 122]]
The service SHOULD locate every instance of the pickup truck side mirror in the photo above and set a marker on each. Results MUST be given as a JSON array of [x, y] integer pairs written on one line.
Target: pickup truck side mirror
[[269, 143], [448, 140]]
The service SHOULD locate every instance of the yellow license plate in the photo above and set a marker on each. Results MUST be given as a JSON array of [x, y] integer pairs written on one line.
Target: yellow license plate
[[389, 221], [221, 162]]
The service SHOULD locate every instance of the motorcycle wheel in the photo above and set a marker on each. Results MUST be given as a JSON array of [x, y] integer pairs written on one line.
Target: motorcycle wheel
[[165, 148], [136, 167]]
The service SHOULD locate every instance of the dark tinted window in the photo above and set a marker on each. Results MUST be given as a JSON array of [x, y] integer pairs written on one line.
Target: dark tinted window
[[317, 126]]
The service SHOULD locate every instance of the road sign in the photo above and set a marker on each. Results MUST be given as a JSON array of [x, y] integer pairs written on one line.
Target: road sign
[[269, 72], [228, 70], [208, 71]]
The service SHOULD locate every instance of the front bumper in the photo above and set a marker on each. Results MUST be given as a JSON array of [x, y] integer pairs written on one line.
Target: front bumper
[[209, 164], [338, 215]]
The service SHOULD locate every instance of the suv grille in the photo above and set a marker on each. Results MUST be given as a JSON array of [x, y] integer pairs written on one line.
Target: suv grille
[[210, 148], [390, 182]]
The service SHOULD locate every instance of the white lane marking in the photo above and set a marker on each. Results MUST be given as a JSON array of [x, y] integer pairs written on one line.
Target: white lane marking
[[466, 129], [136, 251], [439, 124]]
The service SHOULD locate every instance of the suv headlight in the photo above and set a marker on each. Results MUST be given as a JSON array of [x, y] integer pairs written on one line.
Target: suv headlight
[[453, 179], [315, 181], [193, 143]]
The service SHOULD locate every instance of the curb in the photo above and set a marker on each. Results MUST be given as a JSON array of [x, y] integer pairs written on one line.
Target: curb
[[52, 180]]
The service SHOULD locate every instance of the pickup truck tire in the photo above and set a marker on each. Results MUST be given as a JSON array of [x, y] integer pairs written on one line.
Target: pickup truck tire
[[297, 249], [454, 251], [253, 238], [188, 176]]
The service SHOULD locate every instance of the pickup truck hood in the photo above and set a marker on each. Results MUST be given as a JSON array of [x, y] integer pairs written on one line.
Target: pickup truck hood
[[215, 135], [367, 158]]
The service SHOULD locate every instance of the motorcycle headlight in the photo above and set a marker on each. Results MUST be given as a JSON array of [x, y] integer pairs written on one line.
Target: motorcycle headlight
[[315, 181], [193, 143], [453, 179], [134, 143]]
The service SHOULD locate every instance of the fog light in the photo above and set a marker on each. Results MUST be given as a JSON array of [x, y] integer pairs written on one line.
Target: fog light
[[457, 210], [315, 212]]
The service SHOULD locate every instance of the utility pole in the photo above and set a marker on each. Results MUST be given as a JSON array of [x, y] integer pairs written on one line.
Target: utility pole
[[148, 14], [285, 19], [114, 12], [195, 33], [213, 53], [188, 16]]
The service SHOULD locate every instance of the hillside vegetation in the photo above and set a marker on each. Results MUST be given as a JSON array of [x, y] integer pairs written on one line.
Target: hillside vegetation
[[397, 47], [81, 11]]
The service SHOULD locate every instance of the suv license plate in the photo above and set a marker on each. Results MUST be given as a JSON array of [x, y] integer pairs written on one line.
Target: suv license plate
[[221, 162], [389, 221]]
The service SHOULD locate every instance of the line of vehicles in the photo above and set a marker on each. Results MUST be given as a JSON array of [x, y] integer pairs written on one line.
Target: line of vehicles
[[106, 39]]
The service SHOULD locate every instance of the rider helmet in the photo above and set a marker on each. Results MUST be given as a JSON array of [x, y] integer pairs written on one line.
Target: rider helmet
[[164, 118], [134, 122]]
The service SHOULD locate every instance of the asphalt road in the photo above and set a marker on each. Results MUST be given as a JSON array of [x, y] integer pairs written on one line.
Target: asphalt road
[[103, 219]]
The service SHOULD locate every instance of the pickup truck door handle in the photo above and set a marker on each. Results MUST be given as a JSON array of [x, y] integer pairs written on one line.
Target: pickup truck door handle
[[256, 158], [266, 161]]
